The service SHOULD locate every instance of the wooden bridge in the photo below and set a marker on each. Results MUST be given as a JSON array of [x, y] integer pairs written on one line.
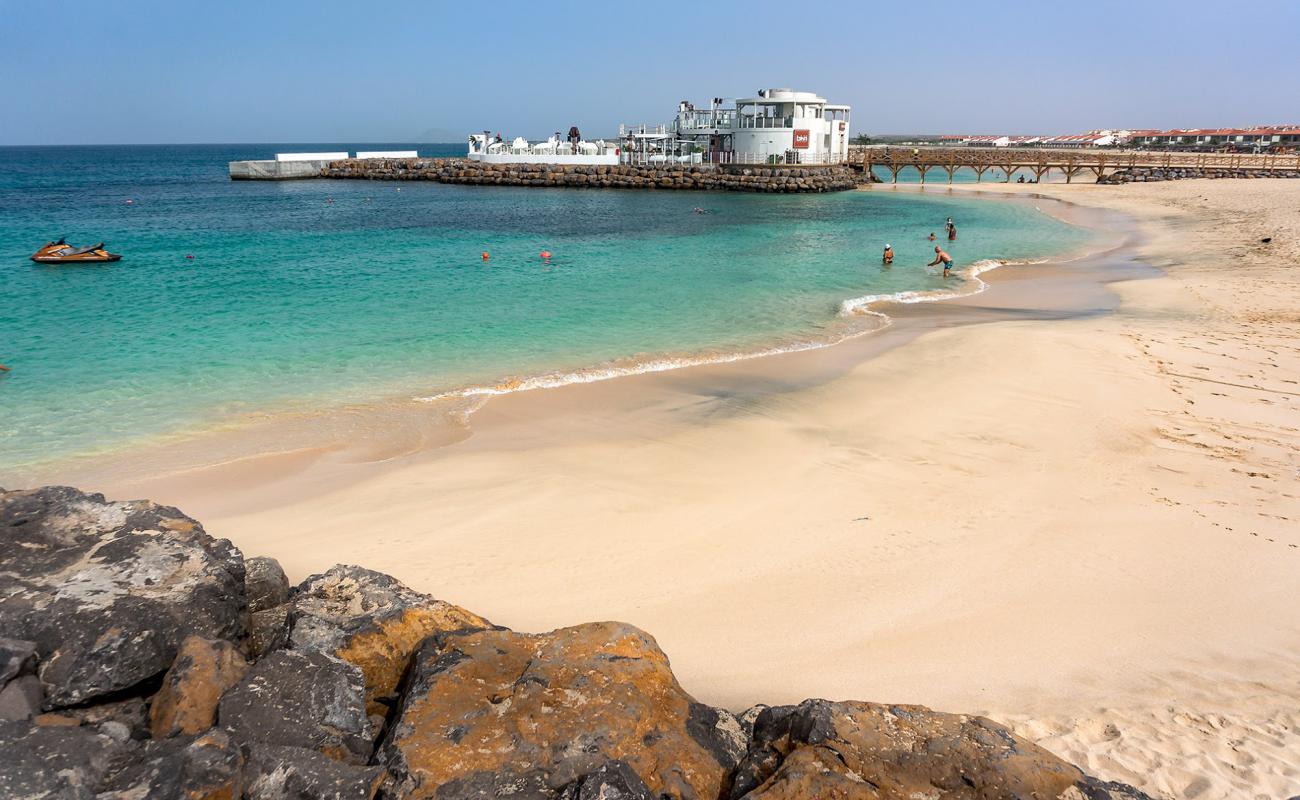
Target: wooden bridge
[[1041, 161]]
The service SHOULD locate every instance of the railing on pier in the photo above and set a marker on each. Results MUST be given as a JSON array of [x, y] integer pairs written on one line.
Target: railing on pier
[[793, 157], [1042, 161]]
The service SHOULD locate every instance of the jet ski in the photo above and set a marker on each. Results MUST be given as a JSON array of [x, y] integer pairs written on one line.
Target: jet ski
[[61, 252]]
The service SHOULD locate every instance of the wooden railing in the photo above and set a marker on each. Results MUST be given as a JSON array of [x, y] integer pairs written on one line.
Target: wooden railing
[[1041, 161]]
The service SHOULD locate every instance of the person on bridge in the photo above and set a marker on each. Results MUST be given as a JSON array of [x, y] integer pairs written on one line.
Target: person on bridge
[[888, 257], [941, 257]]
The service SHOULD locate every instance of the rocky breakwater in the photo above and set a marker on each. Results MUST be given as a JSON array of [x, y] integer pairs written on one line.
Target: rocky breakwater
[[700, 177], [1146, 174], [142, 659]]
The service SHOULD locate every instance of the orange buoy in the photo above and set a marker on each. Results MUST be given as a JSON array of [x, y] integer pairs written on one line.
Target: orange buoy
[[189, 257], [485, 255], [546, 254]]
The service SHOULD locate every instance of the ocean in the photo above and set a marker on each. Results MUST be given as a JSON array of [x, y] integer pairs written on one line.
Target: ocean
[[242, 299]]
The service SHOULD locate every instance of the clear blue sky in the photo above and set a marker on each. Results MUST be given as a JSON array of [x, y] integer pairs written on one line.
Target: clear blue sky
[[126, 71]]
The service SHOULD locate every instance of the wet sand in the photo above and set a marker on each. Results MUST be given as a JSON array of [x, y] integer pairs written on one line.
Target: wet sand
[[1068, 501]]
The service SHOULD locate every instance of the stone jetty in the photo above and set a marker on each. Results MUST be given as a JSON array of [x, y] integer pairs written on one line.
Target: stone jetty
[[703, 177], [1147, 174], [142, 659]]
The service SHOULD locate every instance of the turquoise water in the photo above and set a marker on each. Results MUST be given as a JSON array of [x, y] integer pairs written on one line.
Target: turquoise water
[[314, 293]]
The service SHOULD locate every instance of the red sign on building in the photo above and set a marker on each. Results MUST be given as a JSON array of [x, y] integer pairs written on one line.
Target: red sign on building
[[802, 139]]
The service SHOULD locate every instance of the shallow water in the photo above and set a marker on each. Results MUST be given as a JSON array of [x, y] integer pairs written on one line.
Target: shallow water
[[306, 294]]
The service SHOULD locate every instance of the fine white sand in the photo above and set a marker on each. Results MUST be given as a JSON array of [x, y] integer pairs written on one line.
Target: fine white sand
[[1086, 528]]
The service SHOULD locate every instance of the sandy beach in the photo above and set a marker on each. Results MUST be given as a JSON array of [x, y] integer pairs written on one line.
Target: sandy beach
[[1068, 502]]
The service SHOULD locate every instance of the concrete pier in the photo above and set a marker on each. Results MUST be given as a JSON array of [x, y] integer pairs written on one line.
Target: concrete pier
[[275, 170]]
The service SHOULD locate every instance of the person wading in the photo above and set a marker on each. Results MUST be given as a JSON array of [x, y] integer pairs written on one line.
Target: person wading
[[940, 256]]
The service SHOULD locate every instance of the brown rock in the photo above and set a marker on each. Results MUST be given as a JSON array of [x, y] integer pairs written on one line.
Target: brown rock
[[493, 712], [371, 620], [187, 702], [854, 750]]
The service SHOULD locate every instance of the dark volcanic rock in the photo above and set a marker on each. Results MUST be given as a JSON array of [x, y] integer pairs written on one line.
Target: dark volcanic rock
[[501, 712], [187, 702], [292, 773], [268, 631], [265, 583], [20, 698], [54, 763], [109, 590], [130, 714], [17, 657], [870, 751], [208, 767], [306, 700], [614, 780], [371, 620]]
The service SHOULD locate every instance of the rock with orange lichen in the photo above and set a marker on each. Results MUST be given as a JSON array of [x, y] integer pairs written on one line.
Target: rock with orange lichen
[[868, 751], [494, 713], [109, 590], [371, 620], [187, 702]]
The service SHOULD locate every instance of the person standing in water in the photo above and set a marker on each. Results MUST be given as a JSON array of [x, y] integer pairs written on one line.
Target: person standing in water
[[951, 228], [888, 257], [941, 257]]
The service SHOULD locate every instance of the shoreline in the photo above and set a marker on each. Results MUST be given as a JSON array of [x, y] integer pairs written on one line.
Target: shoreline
[[1041, 522], [361, 432]]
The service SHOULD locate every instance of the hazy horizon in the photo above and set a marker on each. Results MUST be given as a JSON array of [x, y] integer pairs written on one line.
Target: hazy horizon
[[294, 72]]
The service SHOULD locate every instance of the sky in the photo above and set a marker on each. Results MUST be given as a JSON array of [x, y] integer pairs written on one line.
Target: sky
[[183, 71]]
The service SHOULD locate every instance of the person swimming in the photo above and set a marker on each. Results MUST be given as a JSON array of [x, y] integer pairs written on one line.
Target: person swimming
[[941, 257], [888, 256], [932, 236]]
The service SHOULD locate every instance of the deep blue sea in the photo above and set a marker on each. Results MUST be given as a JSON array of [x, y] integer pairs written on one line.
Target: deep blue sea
[[236, 298]]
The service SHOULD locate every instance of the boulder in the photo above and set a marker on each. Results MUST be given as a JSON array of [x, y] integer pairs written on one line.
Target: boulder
[[268, 631], [371, 620], [20, 698], [17, 657], [308, 700], [108, 591], [494, 712], [54, 763], [870, 751], [614, 780], [207, 767], [187, 702], [292, 773], [265, 584]]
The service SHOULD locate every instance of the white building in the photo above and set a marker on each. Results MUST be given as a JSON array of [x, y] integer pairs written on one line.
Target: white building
[[778, 126]]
